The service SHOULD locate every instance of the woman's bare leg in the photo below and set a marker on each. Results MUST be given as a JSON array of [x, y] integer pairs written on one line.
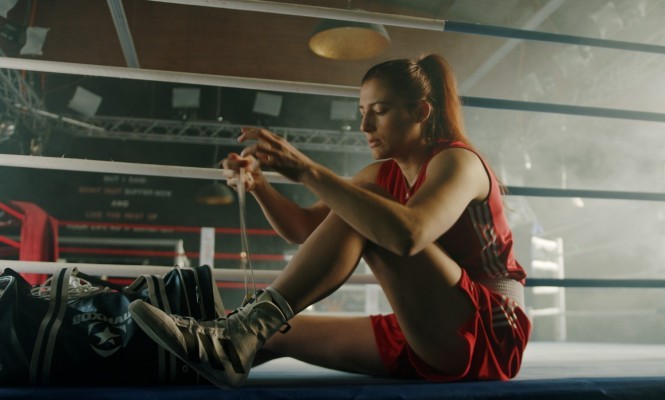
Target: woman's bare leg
[[421, 290], [321, 265], [429, 307], [341, 343]]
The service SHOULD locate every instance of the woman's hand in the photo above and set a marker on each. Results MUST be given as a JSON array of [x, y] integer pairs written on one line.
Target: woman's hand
[[252, 171], [275, 152]]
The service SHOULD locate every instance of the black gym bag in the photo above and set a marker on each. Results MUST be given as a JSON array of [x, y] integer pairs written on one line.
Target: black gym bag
[[76, 329]]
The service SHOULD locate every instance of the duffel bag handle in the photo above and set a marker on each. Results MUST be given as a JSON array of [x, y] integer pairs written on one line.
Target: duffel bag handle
[[210, 297], [40, 363], [100, 282], [79, 285]]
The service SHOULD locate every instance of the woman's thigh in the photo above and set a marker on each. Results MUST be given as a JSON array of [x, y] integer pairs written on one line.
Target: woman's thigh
[[341, 343], [429, 305]]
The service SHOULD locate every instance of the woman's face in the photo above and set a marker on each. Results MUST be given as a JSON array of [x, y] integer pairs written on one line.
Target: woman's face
[[391, 127]]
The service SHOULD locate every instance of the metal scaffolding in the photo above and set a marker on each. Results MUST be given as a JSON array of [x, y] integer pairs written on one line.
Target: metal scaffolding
[[18, 97], [216, 133]]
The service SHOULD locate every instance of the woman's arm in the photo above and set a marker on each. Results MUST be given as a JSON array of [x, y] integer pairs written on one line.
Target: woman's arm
[[291, 221], [455, 178]]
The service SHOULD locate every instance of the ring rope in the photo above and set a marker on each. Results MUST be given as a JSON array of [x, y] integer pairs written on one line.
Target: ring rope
[[177, 77], [418, 23], [133, 271], [267, 276], [172, 171], [123, 168], [301, 88]]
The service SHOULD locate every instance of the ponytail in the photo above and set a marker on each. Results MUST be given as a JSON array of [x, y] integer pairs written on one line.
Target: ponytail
[[447, 121]]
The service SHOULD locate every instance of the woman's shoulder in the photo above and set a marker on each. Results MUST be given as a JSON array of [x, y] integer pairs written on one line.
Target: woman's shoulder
[[369, 173], [464, 164], [459, 154], [446, 144]]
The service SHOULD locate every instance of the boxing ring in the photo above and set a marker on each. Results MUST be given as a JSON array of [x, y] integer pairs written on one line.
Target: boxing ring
[[550, 370], [553, 370]]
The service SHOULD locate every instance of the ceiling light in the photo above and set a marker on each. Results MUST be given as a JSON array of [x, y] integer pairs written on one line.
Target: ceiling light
[[35, 37], [343, 110], [346, 40], [7, 130], [6, 6], [85, 102], [267, 104], [215, 194], [185, 97]]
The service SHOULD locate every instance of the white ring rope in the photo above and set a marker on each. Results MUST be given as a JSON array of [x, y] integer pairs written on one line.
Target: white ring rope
[[133, 271], [179, 77], [302, 10], [113, 167]]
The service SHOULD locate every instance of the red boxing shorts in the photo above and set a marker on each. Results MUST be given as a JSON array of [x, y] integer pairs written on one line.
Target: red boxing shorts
[[497, 335]]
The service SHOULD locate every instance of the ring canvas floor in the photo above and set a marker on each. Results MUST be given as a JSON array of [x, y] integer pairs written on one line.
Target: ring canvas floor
[[550, 371]]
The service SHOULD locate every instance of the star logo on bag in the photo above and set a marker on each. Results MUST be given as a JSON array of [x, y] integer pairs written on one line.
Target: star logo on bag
[[106, 336], [105, 339]]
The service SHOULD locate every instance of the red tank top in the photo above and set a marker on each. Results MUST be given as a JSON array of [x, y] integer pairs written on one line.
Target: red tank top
[[480, 241]]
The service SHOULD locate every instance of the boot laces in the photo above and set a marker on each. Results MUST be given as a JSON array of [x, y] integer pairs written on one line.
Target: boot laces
[[245, 261]]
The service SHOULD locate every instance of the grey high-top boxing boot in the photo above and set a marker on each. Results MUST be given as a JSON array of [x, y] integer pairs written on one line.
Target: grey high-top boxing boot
[[221, 350]]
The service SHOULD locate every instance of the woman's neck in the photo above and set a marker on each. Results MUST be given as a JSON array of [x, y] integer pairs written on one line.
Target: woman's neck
[[412, 165]]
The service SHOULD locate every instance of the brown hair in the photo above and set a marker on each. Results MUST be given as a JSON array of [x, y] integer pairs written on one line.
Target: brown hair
[[428, 78]]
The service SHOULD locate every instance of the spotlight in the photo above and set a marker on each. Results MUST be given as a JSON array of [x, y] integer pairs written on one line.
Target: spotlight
[[267, 104], [6, 6], [184, 97], [85, 102], [344, 110], [7, 130], [34, 41]]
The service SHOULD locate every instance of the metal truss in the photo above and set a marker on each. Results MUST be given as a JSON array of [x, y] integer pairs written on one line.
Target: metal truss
[[15, 91], [23, 103], [201, 132], [19, 97]]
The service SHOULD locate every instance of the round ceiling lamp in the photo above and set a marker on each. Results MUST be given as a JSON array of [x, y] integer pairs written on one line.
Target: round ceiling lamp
[[215, 194], [346, 40]]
